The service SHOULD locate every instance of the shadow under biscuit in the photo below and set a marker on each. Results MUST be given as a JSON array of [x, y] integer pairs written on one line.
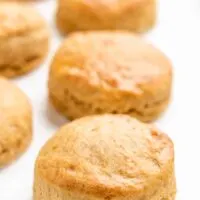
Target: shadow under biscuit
[[53, 116]]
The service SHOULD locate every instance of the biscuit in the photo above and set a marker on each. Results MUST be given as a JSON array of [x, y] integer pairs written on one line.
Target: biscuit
[[106, 157], [24, 39], [133, 15], [109, 72], [15, 122]]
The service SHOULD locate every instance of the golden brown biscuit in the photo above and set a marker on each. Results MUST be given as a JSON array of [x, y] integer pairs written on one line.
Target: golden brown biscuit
[[109, 72], [15, 122], [23, 39], [106, 157], [133, 15]]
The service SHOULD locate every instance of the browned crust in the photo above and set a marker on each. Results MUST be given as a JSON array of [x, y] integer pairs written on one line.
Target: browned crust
[[13, 150], [136, 16], [15, 122], [19, 19], [45, 190], [139, 162], [76, 109], [24, 39], [13, 71], [110, 72]]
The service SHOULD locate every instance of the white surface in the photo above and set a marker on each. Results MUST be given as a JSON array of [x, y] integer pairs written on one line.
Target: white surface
[[177, 34]]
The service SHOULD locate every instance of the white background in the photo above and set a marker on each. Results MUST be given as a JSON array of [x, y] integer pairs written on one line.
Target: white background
[[177, 33]]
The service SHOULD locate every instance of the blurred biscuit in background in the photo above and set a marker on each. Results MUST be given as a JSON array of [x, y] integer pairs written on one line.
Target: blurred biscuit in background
[[24, 39], [134, 15], [15, 122]]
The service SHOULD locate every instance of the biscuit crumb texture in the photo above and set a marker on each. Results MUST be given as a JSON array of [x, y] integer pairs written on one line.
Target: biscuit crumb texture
[[24, 39], [133, 15], [109, 72], [106, 157], [15, 122]]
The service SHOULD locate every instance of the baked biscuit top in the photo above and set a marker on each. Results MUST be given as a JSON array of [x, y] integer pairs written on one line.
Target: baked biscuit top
[[107, 155], [112, 60], [13, 102], [17, 19], [15, 115], [102, 7]]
